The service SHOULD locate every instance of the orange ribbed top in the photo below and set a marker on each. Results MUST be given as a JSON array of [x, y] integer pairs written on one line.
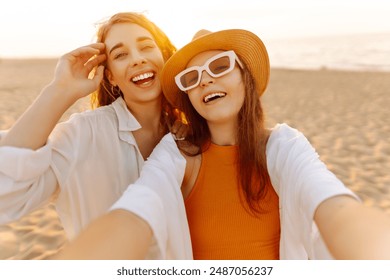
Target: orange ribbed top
[[221, 228]]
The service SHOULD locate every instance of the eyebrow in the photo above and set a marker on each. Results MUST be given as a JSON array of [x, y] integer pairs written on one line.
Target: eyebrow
[[140, 39], [116, 47]]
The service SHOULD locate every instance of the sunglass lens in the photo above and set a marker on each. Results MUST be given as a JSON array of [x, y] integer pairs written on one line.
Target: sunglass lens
[[220, 65], [189, 79]]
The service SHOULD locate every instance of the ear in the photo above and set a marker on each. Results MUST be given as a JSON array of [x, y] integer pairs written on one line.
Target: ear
[[109, 77]]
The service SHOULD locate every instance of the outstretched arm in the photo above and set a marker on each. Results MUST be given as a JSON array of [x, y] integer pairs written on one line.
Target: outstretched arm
[[70, 83], [352, 230], [151, 206], [118, 234]]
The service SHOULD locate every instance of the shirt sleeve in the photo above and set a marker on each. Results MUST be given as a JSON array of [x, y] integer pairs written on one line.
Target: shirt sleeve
[[302, 182], [22, 188], [28, 177], [156, 197]]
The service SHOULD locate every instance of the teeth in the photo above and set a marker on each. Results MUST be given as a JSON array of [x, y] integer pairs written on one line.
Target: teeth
[[213, 95], [142, 76]]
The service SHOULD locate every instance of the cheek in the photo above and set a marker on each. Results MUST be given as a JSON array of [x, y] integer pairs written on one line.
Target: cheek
[[191, 97], [195, 100], [156, 58], [118, 71], [112, 69], [241, 94], [239, 89]]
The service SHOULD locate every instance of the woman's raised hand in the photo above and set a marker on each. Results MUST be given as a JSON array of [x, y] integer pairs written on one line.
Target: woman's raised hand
[[71, 82], [75, 75]]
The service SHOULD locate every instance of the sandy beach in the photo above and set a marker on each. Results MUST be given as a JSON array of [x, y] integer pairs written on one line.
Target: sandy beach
[[345, 115]]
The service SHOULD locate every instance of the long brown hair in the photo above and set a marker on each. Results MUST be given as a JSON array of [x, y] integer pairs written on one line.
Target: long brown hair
[[106, 94], [252, 138]]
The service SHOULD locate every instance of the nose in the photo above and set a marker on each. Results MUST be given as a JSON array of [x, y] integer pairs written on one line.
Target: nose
[[205, 79], [137, 58]]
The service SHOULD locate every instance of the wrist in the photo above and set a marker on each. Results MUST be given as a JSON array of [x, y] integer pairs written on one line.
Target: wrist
[[60, 93]]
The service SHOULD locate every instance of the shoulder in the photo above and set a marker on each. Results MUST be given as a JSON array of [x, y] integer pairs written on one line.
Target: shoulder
[[193, 163], [105, 112], [97, 118], [187, 147], [283, 130], [284, 135], [87, 123], [287, 144]]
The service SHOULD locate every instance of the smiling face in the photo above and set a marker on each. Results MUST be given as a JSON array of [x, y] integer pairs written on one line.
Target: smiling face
[[133, 62], [218, 100]]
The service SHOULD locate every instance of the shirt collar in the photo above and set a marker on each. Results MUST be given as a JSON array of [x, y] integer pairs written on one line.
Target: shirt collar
[[126, 120]]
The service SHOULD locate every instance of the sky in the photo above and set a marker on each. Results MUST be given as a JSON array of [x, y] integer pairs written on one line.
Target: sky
[[49, 28]]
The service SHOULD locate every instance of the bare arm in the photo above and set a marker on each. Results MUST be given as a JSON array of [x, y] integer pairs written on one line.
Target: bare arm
[[70, 83], [352, 230], [117, 235]]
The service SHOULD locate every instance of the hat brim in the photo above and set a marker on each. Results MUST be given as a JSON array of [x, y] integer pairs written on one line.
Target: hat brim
[[245, 44]]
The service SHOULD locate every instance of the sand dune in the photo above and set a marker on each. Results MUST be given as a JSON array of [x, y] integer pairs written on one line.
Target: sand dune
[[345, 115]]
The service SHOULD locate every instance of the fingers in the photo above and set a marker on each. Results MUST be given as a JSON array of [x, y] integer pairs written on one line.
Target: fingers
[[97, 78], [94, 61], [82, 61], [84, 54], [179, 130], [91, 49], [80, 68]]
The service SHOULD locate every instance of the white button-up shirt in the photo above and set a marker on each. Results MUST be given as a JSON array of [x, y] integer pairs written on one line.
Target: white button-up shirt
[[91, 159], [299, 177]]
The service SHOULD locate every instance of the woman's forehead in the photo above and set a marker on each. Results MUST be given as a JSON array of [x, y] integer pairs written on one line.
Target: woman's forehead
[[130, 32]]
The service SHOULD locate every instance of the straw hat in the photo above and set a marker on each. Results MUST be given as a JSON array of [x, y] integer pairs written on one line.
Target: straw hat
[[246, 45]]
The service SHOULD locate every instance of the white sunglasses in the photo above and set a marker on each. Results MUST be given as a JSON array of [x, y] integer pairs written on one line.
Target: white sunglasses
[[216, 66]]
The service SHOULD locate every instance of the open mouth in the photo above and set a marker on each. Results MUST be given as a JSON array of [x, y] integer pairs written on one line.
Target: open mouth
[[143, 78], [213, 96]]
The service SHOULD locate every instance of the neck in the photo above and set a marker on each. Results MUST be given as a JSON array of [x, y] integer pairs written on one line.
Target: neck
[[147, 114], [150, 134], [223, 134]]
